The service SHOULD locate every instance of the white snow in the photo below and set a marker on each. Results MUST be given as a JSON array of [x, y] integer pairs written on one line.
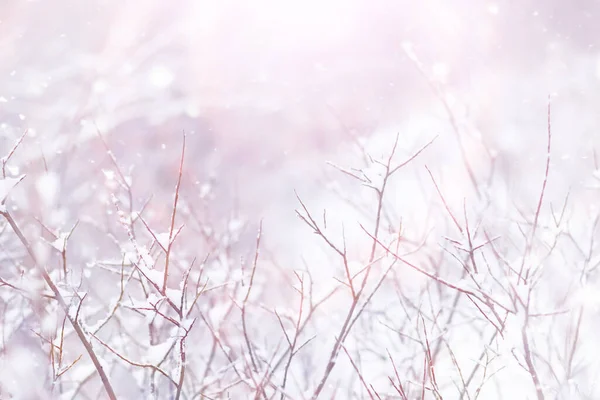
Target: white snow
[[160, 77], [48, 187], [6, 185]]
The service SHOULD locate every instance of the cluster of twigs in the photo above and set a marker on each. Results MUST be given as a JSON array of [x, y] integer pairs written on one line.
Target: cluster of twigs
[[174, 313]]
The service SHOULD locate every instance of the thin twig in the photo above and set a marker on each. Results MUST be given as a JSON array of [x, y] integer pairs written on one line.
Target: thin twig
[[172, 227]]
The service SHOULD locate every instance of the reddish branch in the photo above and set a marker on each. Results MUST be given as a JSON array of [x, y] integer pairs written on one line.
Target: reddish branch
[[172, 228], [65, 307]]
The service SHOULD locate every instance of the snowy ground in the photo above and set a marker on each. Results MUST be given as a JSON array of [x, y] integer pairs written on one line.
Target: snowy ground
[[490, 292]]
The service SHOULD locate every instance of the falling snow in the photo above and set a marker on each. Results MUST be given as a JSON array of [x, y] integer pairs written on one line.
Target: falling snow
[[277, 243]]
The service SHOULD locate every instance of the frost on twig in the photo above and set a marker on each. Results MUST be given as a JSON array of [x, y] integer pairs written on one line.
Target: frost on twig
[[6, 186]]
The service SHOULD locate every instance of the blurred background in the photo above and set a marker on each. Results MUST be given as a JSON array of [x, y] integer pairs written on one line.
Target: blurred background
[[263, 86], [267, 91]]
